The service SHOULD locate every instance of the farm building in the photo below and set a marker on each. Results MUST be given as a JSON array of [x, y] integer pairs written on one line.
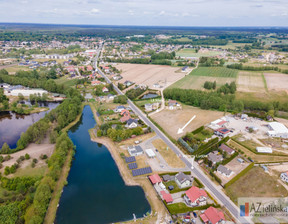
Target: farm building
[[25, 92], [277, 130], [150, 153], [264, 149], [135, 150]]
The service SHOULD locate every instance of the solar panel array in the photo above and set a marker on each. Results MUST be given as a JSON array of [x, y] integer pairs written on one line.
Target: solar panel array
[[130, 159], [141, 171], [132, 166]]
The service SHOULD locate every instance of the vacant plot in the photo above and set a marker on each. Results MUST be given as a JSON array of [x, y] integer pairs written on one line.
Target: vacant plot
[[256, 183], [149, 74], [250, 82], [277, 81], [272, 95], [197, 82], [170, 157], [188, 52], [66, 82], [14, 69], [171, 120]]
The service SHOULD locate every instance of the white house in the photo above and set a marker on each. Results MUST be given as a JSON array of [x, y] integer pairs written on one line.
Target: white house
[[224, 171], [131, 123], [277, 130], [182, 180], [195, 197]]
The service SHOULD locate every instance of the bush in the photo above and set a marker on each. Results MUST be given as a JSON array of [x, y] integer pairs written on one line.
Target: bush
[[27, 156], [35, 160], [43, 156]]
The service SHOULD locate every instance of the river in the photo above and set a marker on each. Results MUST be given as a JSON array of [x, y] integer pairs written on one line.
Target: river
[[96, 192], [13, 124]]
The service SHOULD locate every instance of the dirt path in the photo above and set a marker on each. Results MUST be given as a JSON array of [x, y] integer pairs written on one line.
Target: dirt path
[[159, 212]]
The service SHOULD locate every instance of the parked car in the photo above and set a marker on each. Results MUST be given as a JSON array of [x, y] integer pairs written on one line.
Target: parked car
[[195, 215]]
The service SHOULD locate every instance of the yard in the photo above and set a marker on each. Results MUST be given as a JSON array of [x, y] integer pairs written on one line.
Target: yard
[[170, 157], [256, 183], [149, 74], [171, 120]]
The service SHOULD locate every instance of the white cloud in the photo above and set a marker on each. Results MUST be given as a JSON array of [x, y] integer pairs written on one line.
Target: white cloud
[[95, 11], [161, 13]]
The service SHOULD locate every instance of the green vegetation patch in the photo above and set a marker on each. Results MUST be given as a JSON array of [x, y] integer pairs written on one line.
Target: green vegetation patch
[[215, 72]]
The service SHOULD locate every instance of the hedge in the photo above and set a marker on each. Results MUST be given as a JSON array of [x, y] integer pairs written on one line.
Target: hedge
[[206, 146], [198, 182], [237, 177], [196, 131], [216, 177], [179, 208], [174, 173], [185, 145], [228, 160]]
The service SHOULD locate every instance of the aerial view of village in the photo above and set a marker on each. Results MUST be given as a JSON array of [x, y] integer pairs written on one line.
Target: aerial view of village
[[143, 124]]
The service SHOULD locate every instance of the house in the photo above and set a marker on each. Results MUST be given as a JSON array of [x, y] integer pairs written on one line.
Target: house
[[223, 132], [135, 150], [128, 83], [148, 107], [105, 90], [213, 216], [224, 171], [155, 179], [124, 112], [156, 85], [166, 178], [284, 177], [172, 105], [182, 180], [227, 149], [214, 157], [95, 82], [277, 130], [125, 117], [195, 197], [166, 197], [119, 109], [131, 123]]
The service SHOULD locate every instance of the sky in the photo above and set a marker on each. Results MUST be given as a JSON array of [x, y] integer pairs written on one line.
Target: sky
[[147, 12]]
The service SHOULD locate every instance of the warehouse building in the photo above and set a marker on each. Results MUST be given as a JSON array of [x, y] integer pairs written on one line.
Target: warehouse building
[[277, 130]]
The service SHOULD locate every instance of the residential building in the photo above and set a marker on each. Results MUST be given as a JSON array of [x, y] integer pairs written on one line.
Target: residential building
[[148, 107], [131, 123], [105, 90], [215, 157], [224, 171], [227, 149], [223, 132], [195, 197], [166, 197], [213, 216], [155, 179], [119, 109], [182, 180], [173, 105]]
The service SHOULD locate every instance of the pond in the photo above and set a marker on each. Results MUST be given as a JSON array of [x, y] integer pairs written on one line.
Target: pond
[[13, 124], [150, 95], [96, 192]]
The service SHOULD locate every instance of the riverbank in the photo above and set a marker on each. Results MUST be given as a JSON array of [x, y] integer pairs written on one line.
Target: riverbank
[[158, 210]]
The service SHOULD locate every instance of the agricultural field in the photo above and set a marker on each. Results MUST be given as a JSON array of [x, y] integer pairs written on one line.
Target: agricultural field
[[277, 81], [256, 183], [188, 52], [171, 120], [197, 78], [149, 74], [251, 82]]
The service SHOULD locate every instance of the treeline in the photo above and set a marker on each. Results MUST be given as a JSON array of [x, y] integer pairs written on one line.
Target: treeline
[[209, 62], [139, 61], [253, 68], [210, 85], [163, 55], [227, 88], [218, 101], [207, 41], [134, 93]]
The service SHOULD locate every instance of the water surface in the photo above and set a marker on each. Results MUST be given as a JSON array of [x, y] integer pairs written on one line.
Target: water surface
[[13, 124], [96, 192], [149, 96]]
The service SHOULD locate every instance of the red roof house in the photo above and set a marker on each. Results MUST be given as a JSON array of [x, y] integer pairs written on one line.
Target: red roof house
[[105, 90], [195, 196], [155, 179], [213, 216], [89, 68], [123, 112], [166, 197], [125, 118]]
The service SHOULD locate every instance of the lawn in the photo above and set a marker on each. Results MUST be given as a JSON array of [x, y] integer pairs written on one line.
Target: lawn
[[29, 171], [17, 68], [66, 82], [170, 157], [256, 183]]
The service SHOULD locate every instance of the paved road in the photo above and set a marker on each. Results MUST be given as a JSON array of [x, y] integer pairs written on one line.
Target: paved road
[[216, 191]]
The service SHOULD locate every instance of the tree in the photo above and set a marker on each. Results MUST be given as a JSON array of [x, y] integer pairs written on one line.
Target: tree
[[27, 156], [20, 97], [5, 148]]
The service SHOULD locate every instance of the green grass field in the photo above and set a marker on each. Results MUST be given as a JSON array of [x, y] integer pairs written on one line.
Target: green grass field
[[66, 82], [197, 78]]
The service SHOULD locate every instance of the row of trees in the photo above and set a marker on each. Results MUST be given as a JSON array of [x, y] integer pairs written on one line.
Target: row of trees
[[210, 85], [219, 101], [209, 62]]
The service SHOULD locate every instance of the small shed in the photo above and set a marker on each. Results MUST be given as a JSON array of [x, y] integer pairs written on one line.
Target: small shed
[[166, 178], [150, 153]]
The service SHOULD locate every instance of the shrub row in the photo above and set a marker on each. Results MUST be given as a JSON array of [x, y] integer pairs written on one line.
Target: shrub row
[[237, 177]]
